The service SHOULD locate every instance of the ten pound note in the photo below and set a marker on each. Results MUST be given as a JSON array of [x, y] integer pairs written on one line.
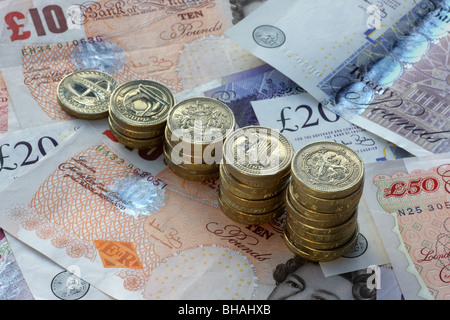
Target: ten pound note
[[410, 203], [179, 43], [382, 65], [137, 233]]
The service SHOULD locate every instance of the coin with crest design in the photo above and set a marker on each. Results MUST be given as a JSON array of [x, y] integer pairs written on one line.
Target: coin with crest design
[[326, 169], [86, 94], [201, 121]]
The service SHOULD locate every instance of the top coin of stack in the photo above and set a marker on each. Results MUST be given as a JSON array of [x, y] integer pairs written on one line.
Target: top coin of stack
[[138, 113], [322, 201], [254, 175], [194, 136], [86, 94]]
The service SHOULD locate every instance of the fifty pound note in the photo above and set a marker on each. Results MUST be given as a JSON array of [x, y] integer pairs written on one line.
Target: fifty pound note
[[381, 65], [410, 203], [137, 233]]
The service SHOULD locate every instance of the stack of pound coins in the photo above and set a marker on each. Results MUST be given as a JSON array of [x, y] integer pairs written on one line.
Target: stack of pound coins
[[194, 137], [322, 201], [138, 113], [86, 94], [254, 175]]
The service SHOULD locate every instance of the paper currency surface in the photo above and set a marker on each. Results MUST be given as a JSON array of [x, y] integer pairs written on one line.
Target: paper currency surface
[[12, 283], [21, 149], [382, 66], [47, 280], [83, 207], [94, 216], [3, 106], [180, 44], [409, 200], [266, 97]]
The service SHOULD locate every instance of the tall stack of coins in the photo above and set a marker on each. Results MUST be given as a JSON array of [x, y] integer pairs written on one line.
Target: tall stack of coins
[[194, 136], [138, 113], [86, 94], [255, 175], [322, 201]]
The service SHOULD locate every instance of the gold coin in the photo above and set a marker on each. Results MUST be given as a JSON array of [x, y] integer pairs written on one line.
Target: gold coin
[[328, 170], [136, 143], [248, 218], [203, 121], [86, 94], [317, 255], [248, 192], [325, 238], [254, 154], [251, 206], [141, 105], [341, 205], [194, 169], [135, 134], [313, 218], [335, 230], [320, 245]]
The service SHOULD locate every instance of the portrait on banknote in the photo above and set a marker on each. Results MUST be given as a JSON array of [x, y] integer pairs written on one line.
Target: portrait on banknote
[[298, 279]]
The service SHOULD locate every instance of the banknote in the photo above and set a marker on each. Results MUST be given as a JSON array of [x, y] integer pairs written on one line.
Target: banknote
[[3, 105], [21, 149], [409, 200], [12, 282], [381, 65], [181, 44], [302, 119], [135, 233], [47, 280], [144, 233], [264, 96]]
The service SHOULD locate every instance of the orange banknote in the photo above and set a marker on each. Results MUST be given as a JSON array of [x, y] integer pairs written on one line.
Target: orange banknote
[[410, 202], [138, 233], [179, 43], [3, 106]]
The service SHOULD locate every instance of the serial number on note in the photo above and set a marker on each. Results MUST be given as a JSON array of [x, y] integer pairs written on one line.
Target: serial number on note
[[32, 50]]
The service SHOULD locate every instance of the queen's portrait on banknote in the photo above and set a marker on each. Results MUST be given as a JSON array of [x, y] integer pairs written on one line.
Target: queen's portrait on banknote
[[299, 279]]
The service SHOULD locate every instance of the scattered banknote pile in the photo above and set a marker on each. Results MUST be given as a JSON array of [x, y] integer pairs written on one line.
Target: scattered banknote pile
[[322, 201], [227, 148], [254, 175]]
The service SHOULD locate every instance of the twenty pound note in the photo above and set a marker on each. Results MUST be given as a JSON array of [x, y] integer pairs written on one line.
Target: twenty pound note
[[410, 203], [382, 65]]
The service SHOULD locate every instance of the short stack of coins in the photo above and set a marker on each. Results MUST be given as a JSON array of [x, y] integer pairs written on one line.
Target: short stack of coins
[[322, 201], [86, 94], [138, 113], [194, 136], [254, 175]]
